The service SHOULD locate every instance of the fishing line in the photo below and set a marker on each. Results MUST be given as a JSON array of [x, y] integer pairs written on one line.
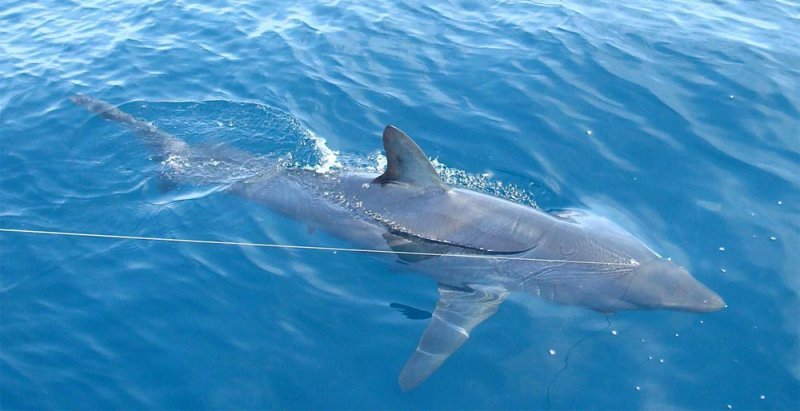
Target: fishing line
[[302, 247], [566, 358]]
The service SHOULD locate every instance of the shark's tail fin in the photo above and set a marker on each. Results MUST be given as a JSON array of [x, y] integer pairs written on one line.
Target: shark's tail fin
[[161, 143]]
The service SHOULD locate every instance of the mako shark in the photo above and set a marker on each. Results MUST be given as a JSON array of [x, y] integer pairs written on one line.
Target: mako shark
[[479, 248]]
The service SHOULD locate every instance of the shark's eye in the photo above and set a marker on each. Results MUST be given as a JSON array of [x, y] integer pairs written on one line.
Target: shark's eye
[[568, 248]]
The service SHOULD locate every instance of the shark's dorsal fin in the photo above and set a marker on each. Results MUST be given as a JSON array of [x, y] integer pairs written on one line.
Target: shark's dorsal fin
[[406, 163], [459, 311]]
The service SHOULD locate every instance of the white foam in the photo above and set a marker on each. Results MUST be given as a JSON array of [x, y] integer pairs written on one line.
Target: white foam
[[329, 159], [176, 162], [483, 182], [380, 162]]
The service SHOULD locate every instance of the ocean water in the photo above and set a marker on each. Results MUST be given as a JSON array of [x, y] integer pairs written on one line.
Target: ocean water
[[679, 120]]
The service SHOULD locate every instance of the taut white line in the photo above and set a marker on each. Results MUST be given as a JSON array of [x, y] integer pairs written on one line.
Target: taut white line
[[301, 247]]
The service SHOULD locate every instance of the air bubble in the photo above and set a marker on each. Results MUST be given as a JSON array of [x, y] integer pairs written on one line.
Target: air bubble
[[762, 397], [552, 351], [638, 388], [773, 238], [722, 249], [613, 332]]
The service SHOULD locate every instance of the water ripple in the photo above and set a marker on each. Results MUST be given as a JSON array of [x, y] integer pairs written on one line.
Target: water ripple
[[677, 119]]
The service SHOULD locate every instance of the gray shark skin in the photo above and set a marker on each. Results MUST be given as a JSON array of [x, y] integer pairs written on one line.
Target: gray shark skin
[[576, 259]]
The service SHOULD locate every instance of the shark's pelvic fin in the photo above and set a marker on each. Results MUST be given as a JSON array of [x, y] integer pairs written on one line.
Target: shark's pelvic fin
[[459, 311], [406, 163]]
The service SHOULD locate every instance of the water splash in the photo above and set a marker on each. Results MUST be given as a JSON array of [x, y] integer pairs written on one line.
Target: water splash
[[483, 183], [324, 160], [228, 133], [311, 152], [376, 163]]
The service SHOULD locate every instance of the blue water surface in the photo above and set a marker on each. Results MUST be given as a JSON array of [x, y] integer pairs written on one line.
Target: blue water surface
[[679, 120]]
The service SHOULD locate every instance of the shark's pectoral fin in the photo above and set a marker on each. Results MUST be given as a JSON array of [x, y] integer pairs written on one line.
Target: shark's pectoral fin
[[459, 311]]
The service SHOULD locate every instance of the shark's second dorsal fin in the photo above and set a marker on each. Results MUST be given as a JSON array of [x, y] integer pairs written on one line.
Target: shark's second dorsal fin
[[406, 163]]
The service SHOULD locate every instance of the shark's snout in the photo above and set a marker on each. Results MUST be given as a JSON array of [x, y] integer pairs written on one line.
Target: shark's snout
[[664, 285], [705, 302]]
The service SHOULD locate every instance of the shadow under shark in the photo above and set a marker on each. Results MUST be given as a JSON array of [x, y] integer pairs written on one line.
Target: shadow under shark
[[478, 247]]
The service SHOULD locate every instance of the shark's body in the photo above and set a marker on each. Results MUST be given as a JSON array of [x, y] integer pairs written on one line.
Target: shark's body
[[478, 247]]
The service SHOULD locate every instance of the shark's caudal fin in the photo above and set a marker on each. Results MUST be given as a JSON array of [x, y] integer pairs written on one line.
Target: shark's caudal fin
[[159, 142], [457, 313], [406, 163]]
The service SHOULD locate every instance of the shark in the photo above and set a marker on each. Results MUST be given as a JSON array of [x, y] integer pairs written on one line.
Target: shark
[[477, 247]]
